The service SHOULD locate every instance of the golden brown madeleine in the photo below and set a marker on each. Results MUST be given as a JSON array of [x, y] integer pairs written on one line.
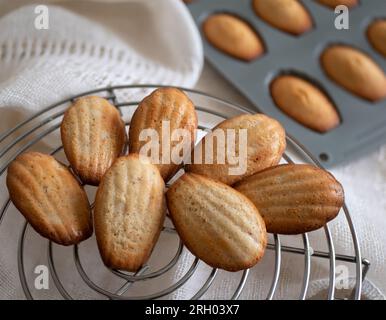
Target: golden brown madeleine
[[334, 3], [129, 212], [262, 147], [168, 106], [294, 198], [50, 198], [233, 36], [216, 223], [355, 71], [287, 15], [93, 136], [304, 102], [376, 33]]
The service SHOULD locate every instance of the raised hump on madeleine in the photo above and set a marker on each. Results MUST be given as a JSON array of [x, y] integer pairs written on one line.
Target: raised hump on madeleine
[[93, 136], [376, 34], [163, 105], [50, 198], [265, 144], [355, 71], [129, 212], [287, 15], [294, 198], [216, 223], [304, 102], [233, 36]]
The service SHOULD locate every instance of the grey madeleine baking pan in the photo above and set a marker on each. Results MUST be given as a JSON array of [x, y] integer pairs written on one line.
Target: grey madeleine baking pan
[[363, 123]]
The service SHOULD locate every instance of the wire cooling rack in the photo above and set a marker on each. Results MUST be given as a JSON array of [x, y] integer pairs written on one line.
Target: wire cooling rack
[[45, 125]]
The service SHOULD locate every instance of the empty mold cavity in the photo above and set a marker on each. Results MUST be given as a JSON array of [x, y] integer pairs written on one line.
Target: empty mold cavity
[[233, 36], [305, 101], [282, 15]]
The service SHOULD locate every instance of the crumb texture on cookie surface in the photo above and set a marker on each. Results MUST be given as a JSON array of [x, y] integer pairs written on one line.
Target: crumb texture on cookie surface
[[305, 103], [355, 71], [93, 136], [50, 198], [216, 223], [294, 199], [287, 15], [233, 36], [264, 148], [129, 212], [169, 105]]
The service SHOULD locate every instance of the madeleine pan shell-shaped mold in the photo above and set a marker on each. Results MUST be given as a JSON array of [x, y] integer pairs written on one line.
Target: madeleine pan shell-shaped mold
[[362, 127]]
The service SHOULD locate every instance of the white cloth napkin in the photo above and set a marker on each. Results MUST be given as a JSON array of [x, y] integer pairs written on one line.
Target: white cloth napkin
[[157, 43], [143, 41]]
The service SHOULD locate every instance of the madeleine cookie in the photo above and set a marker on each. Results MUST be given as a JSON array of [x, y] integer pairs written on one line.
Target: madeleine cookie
[[304, 102], [334, 3], [233, 36], [287, 15], [165, 112], [216, 223], [50, 198], [93, 136], [376, 33], [239, 147], [129, 212], [292, 198], [355, 71]]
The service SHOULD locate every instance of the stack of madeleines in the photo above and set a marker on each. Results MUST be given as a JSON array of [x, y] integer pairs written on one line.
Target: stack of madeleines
[[223, 219], [296, 94]]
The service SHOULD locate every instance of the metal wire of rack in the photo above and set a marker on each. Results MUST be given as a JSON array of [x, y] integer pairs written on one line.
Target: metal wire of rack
[[31, 131]]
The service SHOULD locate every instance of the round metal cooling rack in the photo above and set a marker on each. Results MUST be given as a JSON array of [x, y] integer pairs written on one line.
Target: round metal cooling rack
[[30, 132]]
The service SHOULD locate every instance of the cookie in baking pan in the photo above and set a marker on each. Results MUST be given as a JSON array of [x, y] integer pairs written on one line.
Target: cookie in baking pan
[[93, 136], [165, 111], [294, 198], [129, 212], [50, 198], [334, 3], [216, 223], [376, 34], [287, 15], [355, 71], [233, 36], [305, 103], [239, 147]]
